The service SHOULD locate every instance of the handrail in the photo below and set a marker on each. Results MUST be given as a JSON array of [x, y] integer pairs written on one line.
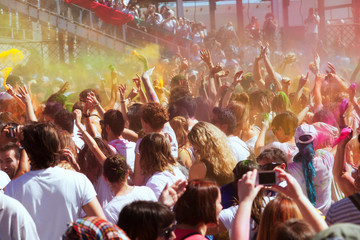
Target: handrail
[[92, 22]]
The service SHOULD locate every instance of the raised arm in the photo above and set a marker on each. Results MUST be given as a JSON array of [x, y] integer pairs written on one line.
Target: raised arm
[[355, 73], [89, 140], [24, 96], [237, 79], [293, 190], [142, 95], [340, 170], [123, 108], [317, 91], [302, 81], [247, 191], [260, 142], [150, 92]]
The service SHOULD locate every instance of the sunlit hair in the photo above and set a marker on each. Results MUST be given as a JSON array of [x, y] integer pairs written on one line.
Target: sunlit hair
[[66, 142], [198, 203], [241, 112], [211, 144], [277, 211], [115, 168], [155, 154], [180, 127]]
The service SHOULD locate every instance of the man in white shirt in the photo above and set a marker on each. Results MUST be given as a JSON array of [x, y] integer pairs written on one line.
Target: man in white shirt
[[112, 128], [312, 28], [225, 120], [15, 222], [53, 196]]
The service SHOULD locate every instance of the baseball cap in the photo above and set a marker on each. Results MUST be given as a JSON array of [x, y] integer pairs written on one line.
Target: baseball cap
[[305, 130]]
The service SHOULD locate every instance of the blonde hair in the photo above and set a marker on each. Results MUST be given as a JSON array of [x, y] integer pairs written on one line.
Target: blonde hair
[[277, 211], [241, 112], [211, 144], [180, 127]]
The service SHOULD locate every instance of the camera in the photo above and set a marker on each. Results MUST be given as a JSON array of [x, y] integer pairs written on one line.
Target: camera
[[267, 178], [11, 133]]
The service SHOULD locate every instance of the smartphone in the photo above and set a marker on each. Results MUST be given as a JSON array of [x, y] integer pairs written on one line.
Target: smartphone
[[267, 178]]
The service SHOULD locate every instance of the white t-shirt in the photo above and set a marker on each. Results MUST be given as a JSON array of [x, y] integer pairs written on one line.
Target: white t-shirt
[[4, 180], [323, 162], [53, 197], [114, 207], [289, 149], [158, 181], [103, 191], [312, 26], [15, 222], [126, 149], [239, 148]]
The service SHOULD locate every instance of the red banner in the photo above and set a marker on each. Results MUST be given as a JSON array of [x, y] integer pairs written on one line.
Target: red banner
[[105, 13]]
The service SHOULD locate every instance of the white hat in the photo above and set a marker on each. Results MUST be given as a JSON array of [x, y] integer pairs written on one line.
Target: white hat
[[305, 130]]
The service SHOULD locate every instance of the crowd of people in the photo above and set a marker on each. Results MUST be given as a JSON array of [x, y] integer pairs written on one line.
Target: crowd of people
[[181, 154]]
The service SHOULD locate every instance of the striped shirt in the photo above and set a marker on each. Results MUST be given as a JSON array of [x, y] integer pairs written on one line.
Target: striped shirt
[[343, 211]]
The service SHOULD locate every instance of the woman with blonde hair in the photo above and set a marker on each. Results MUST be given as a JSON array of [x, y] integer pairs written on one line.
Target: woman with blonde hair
[[214, 158], [157, 164], [180, 126], [244, 129]]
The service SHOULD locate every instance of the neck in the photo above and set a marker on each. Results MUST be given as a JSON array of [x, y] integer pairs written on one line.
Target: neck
[[200, 227], [121, 188]]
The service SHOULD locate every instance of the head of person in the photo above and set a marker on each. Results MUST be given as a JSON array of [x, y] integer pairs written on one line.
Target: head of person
[[241, 112], [41, 143], [177, 80], [200, 203], [64, 120], [9, 159], [88, 163], [147, 220], [83, 95], [277, 211], [188, 103], [269, 16], [51, 109], [272, 158], [113, 123], [155, 154], [211, 145], [294, 229], [116, 169], [326, 116], [179, 92], [256, 98], [93, 228], [134, 116], [180, 126], [248, 80], [280, 102], [311, 11], [284, 126], [224, 119], [153, 117]]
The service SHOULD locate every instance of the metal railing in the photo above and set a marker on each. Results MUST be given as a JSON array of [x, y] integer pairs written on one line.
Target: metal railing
[[84, 24]]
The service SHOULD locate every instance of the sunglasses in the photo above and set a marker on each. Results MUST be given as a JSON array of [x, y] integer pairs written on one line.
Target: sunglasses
[[167, 233], [269, 166]]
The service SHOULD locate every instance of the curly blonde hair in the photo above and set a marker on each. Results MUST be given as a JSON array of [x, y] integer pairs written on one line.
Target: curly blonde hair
[[211, 145]]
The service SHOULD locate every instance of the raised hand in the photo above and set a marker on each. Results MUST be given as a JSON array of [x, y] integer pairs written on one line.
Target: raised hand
[[317, 61], [23, 95], [91, 101], [77, 116], [122, 90], [303, 80], [331, 68], [292, 189], [68, 154], [170, 195], [137, 82], [238, 77], [247, 188], [206, 57]]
